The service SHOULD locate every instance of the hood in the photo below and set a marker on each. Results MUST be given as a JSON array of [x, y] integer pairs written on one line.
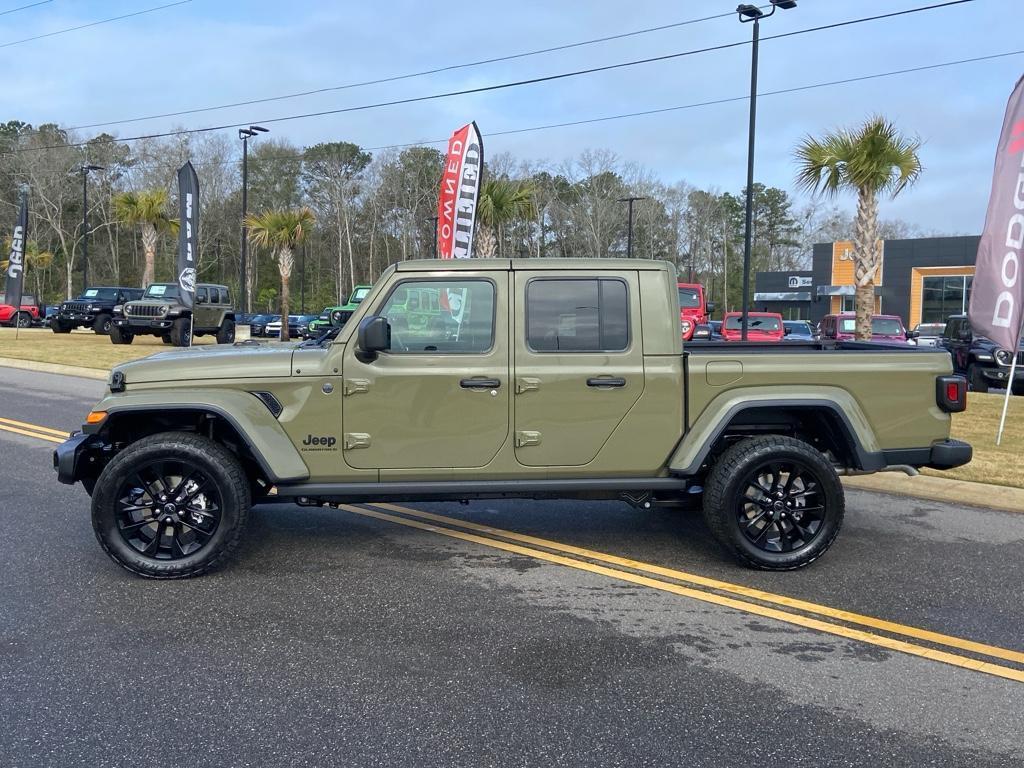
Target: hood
[[244, 361]]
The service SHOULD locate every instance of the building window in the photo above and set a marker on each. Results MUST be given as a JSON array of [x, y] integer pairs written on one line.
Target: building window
[[944, 296], [849, 304]]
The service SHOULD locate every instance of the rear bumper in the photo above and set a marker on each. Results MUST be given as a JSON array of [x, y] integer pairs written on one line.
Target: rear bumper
[[75, 458], [946, 454]]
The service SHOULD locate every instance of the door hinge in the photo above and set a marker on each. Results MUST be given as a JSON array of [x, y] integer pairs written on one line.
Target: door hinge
[[526, 384], [356, 440], [526, 437], [356, 386]]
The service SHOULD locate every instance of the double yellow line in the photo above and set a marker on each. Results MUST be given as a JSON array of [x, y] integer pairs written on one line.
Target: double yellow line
[[33, 430], [893, 636], [822, 618]]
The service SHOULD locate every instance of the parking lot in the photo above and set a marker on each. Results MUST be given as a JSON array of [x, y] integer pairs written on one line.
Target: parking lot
[[500, 633]]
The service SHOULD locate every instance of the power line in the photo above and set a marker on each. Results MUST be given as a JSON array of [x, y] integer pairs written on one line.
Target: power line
[[501, 86], [25, 7], [410, 75], [90, 24]]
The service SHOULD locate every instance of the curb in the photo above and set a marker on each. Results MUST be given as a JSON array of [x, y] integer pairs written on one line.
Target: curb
[[63, 370], [998, 497]]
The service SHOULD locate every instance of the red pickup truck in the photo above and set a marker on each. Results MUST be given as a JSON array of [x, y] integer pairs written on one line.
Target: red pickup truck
[[693, 310], [21, 317], [761, 326]]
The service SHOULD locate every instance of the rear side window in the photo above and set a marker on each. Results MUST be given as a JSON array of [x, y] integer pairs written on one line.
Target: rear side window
[[224, 298], [577, 315], [214, 296]]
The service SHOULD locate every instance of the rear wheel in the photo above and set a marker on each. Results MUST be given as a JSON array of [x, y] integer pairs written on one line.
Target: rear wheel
[[119, 336], [181, 332], [774, 502], [226, 332], [976, 378], [102, 325], [171, 506]]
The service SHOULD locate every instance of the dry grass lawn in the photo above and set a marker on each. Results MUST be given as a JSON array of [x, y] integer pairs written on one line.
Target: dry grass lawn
[[999, 465], [1002, 465]]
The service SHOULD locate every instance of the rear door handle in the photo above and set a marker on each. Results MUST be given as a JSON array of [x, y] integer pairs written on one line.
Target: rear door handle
[[480, 383], [605, 382]]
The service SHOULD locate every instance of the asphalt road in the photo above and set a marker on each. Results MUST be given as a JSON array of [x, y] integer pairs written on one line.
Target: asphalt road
[[340, 638]]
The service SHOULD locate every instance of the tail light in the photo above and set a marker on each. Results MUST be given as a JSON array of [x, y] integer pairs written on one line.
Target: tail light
[[951, 393]]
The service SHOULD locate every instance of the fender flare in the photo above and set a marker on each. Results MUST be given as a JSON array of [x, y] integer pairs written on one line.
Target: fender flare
[[697, 443], [250, 418]]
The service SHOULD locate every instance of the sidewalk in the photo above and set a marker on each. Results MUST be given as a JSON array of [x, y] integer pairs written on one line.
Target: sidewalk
[[941, 489], [65, 370]]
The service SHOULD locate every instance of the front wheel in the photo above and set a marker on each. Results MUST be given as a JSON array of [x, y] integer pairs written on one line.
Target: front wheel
[[774, 502], [181, 332], [22, 320], [1017, 388], [58, 327], [101, 326], [118, 336], [226, 332], [171, 506], [976, 379]]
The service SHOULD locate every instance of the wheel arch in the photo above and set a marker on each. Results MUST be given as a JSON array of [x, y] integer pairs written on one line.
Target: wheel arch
[[829, 422], [247, 428]]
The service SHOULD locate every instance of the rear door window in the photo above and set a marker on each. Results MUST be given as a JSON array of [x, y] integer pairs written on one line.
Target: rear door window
[[571, 315]]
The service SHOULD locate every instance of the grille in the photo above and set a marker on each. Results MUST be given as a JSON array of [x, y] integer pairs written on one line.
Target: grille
[[75, 306], [144, 310]]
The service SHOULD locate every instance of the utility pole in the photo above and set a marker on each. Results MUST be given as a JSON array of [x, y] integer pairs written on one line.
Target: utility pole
[[85, 221], [245, 301], [751, 13], [302, 283], [629, 236]]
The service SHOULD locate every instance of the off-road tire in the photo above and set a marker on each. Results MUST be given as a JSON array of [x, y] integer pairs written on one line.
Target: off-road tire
[[225, 472], [1017, 388], [102, 325], [976, 379], [226, 332], [726, 486], [21, 320], [166, 338], [181, 332], [117, 336], [58, 327]]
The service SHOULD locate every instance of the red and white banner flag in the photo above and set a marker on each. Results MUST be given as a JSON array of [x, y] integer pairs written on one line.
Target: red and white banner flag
[[997, 293], [460, 191]]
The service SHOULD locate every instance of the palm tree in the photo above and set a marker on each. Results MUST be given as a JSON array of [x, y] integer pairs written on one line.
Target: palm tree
[[148, 209], [282, 231], [501, 201], [871, 160]]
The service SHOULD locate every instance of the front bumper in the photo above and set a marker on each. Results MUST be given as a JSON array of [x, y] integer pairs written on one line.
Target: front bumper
[[143, 324], [74, 317], [1002, 374], [77, 458]]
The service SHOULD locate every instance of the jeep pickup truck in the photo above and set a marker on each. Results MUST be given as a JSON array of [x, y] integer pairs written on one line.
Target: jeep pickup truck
[[548, 378]]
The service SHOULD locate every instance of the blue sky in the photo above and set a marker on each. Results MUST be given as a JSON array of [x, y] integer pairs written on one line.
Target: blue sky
[[210, 51]]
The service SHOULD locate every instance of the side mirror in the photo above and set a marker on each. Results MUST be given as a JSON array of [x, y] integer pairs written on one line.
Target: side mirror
[[374, 337], [786, 331], [913, 334], [709, 307], [964, 335], [702, 333]]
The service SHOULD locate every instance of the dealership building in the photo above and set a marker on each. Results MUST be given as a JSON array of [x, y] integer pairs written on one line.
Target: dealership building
[[924, 280]]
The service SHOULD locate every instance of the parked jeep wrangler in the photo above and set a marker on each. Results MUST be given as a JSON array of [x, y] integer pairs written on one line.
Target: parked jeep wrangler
[[981, 360], [335, 317], [94, 308], [160, 313], [547, 378]]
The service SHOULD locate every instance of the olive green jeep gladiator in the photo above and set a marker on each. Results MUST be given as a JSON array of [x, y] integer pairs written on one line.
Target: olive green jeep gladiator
[[546, 378]]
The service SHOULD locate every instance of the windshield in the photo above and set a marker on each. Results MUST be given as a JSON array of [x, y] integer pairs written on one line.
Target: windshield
[[754, 322], [795, 327], [931, 329], [101, 294], [161, 291], [880, 326], [689, 298], [358, 295]]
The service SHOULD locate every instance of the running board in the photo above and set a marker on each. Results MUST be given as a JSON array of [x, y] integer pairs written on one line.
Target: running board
[[305, 493]]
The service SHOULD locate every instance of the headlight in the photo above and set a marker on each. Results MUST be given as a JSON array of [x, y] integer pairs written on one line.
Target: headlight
[[164, 309], [1003, 357], [128, 308], [118, 309]]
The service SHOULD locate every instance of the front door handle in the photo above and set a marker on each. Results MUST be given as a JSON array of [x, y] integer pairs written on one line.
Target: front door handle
[[598, 381], [480, 383]]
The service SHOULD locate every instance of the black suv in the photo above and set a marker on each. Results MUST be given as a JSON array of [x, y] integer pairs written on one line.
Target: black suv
[[982, 361], [93, 309]]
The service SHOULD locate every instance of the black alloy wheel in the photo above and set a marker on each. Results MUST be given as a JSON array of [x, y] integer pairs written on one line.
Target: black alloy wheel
[[171, 505], [23, 320], [774, 502], [168, 509]]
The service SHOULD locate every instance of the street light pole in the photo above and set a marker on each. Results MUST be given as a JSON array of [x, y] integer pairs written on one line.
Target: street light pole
[[245, 134], [85, 221], [629, 235], [751, 13]]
